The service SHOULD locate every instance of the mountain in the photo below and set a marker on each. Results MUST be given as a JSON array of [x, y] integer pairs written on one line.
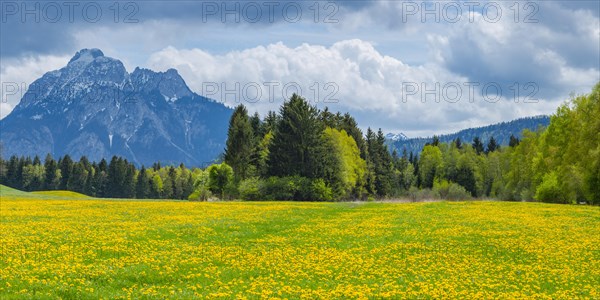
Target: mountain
[[394, 137], [501, 132], [94, 107]]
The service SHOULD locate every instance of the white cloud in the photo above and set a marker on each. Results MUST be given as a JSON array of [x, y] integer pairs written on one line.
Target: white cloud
[[18, 74], [368, 54], [370, 84], [5, 109]]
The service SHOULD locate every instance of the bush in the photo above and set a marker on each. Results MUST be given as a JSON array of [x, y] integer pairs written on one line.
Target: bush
[[457, 192], [220, 180], [415, 194], [295, 188], [200, 194], [441, 188], [447, 190], [250, 189], [278, 188], [319, 191], [549, 190]]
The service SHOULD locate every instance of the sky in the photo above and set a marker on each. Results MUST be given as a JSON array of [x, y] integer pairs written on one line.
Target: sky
[[419, 68]]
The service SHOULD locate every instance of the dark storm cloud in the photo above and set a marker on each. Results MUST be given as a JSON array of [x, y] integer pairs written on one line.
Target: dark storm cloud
[[47, 27]]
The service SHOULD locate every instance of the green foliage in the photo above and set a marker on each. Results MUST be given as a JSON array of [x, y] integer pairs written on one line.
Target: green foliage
[[157, 186], [312, 155], [220, 178], [448, 190], [32, 177], [429, 163], [560, 164], [294, 149], [250, 189], [492, 146], [348, 168], [240, 143], [295, 188], [549, 190], [380, 164], [142, 189], [201, 191], [477, 145]]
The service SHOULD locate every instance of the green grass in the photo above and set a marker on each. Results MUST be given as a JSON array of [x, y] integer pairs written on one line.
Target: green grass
[[61, 194], [75, 249], [6, 191]]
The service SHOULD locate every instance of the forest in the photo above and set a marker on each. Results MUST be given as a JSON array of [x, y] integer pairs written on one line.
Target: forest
[[303, 153]]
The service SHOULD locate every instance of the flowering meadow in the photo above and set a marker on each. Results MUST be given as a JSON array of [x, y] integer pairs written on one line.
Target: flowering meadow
[[73, 247]]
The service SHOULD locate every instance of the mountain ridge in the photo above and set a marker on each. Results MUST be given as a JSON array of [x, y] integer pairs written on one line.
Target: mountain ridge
[[500, 131], [94, 107]]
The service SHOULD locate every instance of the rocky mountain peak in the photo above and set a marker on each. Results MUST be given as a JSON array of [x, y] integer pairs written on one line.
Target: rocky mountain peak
[[86, 55], [94, 107]]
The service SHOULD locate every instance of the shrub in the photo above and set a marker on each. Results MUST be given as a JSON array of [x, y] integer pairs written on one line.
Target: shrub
[[415, 194], [457, 192], [250, 189], [549, 190], [278, 188], [295, 188], [200, 194], [319, 191], [220, 178], [447, 190], [441, 188]]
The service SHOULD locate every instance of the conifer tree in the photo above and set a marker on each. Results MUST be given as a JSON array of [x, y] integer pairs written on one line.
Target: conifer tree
[[295, 145], [51, 182], [240, 143], [514, 141], [142, 189], [492, 145], [66, 168], [477, 145]]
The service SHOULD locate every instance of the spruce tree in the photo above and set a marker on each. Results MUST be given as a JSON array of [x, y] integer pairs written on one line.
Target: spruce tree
[[458, 143], [116, 178], [270, 122], [351, 127], [101, 178], [294, 149], [436, 141], [477, 145], [66, 168], [514, 141], [77, 178], [492, 145], [129, 180], [380, 163], [50, 166], [240, 143], [383, 167], [142, 189], [12, 171]]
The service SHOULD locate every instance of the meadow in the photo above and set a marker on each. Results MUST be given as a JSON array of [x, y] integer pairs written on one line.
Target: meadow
[[66, 245]]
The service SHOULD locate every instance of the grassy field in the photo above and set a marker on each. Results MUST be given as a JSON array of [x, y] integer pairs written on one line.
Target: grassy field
[[61, 245]]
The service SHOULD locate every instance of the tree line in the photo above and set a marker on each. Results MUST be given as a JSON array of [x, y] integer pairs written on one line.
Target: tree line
[[115, 179], [303, 153]]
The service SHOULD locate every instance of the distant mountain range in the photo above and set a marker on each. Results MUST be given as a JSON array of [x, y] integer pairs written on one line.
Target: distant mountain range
[[501, 133], [94, 107]]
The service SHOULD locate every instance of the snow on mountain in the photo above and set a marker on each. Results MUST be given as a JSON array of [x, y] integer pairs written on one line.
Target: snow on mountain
[[395, 137], [94, 107]]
